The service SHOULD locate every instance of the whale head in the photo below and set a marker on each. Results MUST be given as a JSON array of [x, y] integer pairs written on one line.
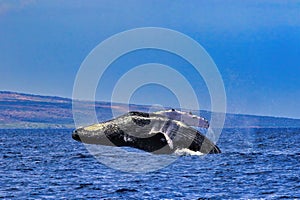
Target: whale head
[[97, 133], [119, 130]]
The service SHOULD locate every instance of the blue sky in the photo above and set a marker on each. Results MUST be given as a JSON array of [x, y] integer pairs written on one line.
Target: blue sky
[[255, 45]]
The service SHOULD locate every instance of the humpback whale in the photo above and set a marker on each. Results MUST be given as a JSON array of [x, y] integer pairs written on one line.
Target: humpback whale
[[161, 132]]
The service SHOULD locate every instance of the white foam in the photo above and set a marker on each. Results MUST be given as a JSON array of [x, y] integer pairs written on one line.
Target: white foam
[[188, 152]]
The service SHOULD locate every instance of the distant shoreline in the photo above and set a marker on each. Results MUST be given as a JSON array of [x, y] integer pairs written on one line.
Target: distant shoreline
[[29, 111]]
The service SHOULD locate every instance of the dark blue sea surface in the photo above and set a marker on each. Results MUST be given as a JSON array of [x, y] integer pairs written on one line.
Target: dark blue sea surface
[[254, 163]]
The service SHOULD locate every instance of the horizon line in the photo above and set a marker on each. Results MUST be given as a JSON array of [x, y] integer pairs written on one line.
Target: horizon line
[[137, 104]]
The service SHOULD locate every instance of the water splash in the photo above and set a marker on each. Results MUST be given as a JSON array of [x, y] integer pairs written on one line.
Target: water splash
[[187, 152]]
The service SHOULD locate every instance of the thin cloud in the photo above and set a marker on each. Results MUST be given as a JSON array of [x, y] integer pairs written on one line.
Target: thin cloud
[[7, 6]]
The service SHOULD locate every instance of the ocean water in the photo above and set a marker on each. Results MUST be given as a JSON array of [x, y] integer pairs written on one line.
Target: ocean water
[[254, 163]]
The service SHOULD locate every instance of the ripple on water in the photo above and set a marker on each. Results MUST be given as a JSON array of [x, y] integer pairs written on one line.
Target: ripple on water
[[49, 164]]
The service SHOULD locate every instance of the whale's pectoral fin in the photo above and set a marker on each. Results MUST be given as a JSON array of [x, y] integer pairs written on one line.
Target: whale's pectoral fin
[[195, 121], [169, 140]]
